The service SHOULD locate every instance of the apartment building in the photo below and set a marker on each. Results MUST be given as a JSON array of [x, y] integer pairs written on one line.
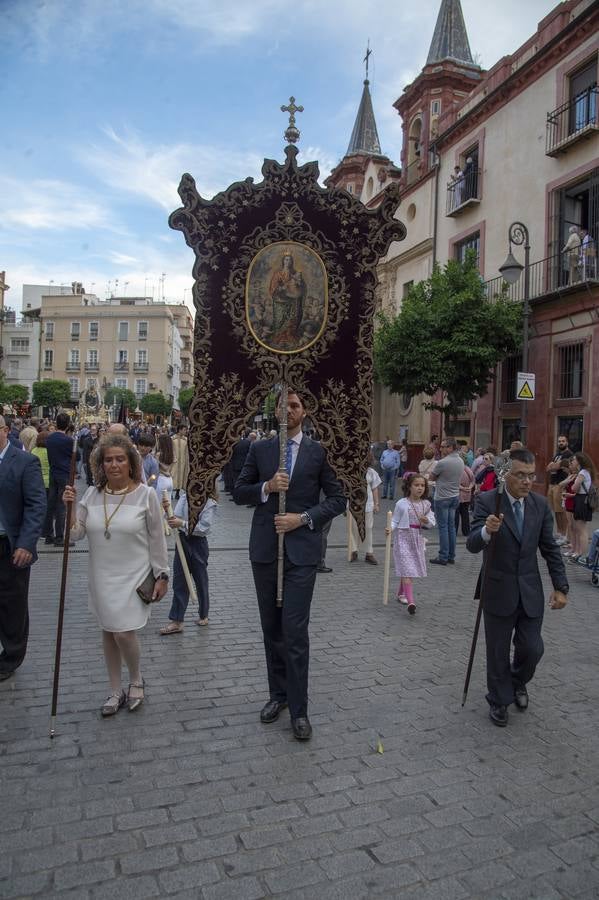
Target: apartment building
[[126, 342], [20, 344], [482, 150]]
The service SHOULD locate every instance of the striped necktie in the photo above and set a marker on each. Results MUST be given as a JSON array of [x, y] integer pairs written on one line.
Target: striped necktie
[[518, 516], [289, 455]]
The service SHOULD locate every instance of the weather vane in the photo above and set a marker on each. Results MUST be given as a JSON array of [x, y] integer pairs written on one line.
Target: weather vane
[[368, 54], [292, 133]]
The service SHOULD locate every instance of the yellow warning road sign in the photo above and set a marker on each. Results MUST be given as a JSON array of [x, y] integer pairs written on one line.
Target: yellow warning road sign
[[525, 387]]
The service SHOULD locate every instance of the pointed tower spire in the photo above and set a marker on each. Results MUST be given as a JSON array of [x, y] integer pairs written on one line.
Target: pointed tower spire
[[364, 137], [450, 39]]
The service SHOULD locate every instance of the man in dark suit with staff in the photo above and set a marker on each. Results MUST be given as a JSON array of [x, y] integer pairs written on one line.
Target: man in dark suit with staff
[[513, 599], [22, 514], [285, 630]]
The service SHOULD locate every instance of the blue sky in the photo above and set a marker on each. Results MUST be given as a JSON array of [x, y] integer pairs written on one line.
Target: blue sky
[[107, 102]]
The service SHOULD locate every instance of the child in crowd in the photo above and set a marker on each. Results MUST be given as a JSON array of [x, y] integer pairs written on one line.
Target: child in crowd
[[411, 514], [373, 482], [195, 547], [145, 445]]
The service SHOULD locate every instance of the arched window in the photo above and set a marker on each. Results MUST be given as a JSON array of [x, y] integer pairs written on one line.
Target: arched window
[[369, 188], [414, 148]]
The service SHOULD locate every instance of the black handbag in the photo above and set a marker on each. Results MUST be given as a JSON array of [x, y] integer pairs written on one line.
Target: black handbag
[[146, 589]]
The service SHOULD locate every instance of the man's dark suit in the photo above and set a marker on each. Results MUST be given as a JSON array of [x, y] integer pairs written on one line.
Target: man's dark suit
[[513, 599], [285, 630], [22, 511]]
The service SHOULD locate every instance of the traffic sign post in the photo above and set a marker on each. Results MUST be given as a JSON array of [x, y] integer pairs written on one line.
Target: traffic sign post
[[525, 386]]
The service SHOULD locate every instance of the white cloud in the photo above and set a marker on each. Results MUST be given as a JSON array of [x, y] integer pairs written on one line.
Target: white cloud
[[153, 171], [50, 204]]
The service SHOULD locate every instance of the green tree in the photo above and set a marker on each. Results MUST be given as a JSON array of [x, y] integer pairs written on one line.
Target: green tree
[[51, 393], [155, 404], [117, 395], [13, 394], [448, 337], [185, 398]]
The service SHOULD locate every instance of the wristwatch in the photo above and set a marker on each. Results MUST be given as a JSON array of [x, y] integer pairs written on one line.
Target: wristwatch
[[162, 577], [306, 519]]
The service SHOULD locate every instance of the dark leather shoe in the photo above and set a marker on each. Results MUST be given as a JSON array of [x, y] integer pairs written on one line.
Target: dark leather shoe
[[302, 730], [498, 715], [354, 556], [323, 569], [5, 675], [271, 711], [521, 697], [438, 562]]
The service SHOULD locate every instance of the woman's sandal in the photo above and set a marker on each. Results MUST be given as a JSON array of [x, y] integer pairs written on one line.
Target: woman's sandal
[[113, 703], [134, 703], [202, 621], [172, 628]]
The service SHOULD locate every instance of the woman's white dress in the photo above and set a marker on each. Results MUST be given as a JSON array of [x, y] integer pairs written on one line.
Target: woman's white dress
[[119, 565]]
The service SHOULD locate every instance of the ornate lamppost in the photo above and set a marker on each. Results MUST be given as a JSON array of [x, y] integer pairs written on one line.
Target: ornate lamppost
[[511, 271]]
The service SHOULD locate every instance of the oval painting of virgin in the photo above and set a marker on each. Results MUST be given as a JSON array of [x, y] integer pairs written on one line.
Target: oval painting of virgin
[[286, 297]]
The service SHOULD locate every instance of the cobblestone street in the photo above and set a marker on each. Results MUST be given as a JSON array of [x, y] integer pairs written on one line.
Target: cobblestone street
[[193, 797]]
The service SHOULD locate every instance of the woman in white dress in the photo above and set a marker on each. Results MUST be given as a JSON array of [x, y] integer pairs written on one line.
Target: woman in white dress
[[123, 521]]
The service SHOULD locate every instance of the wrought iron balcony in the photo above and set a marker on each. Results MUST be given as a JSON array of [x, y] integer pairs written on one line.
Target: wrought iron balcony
[[169, 371], [463, 192], [121, 367], [92, 366], [549, 275], [72, 366], [572, 121], [141, 366]]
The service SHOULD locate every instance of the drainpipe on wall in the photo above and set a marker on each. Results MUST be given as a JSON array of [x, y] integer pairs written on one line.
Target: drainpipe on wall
[[436, 202]]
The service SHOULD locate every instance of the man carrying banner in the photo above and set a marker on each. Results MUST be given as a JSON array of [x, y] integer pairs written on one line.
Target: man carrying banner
[[285, 629]]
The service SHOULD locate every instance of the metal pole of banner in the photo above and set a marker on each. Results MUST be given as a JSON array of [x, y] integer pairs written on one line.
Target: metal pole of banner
[[484, 581], [387, 560], [179, 545], [284, 393], [349, 533], [63, 588]]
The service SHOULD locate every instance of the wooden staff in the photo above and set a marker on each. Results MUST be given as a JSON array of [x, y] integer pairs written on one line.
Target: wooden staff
[[484, 580], [63, 587], [179, 545], [387, 560], [282, 495]]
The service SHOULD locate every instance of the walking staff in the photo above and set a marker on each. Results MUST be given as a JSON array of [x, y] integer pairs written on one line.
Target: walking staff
[[284, 393], [63, 587], [482, 583], [168, 508]]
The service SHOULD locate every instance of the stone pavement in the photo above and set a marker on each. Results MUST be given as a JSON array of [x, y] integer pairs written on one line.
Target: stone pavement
[[193, 797]]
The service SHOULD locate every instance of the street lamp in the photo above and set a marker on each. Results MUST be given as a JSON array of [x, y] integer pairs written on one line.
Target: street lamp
[[511, 271]]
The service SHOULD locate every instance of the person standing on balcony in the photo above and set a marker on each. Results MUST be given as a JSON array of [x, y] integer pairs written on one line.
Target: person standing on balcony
[[588, 256], [571, 251], [456, 186], [469, 179]]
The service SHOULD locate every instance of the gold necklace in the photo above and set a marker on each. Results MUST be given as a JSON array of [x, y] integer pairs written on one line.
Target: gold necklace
[[108, 518], [114, 491]]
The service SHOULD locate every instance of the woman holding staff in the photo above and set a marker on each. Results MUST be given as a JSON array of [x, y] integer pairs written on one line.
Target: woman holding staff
[[122, 519]]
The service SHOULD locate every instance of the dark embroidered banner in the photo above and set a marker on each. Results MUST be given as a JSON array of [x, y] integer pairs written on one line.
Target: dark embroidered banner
[[285, 277]]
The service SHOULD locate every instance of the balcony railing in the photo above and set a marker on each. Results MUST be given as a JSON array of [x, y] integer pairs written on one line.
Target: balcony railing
[[73, 366], [548, 275], [169, 371], [463, 192], [121, 367], [573, 120], [92, 366], [141, 366]]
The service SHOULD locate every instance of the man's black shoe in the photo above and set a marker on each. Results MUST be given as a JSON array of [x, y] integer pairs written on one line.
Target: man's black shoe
[[5, 675], [521, 697], [498, 715], [438, 562], [323, 569], [302, 730], [270, 712]]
